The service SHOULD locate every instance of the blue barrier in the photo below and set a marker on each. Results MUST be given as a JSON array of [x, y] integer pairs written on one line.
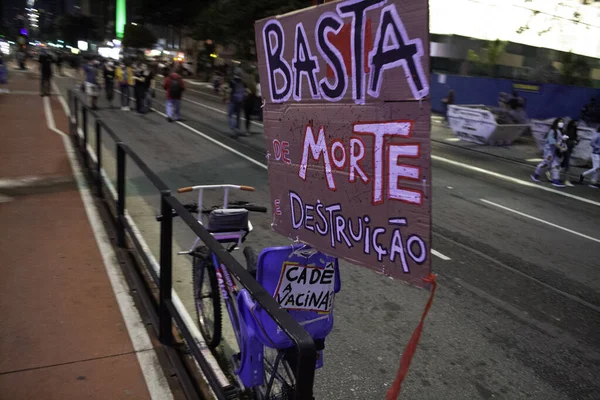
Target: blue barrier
[[549, 101]]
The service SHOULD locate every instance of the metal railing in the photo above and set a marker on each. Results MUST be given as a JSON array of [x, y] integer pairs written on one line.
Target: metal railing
[[168, 310]]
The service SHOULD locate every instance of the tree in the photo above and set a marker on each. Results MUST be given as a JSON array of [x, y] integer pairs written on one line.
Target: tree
[[574, 70], [138, 37], [492, 54], [232, 21], [77, 27]]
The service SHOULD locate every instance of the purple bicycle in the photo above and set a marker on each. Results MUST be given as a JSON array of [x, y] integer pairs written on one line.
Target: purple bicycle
[[304, 282]]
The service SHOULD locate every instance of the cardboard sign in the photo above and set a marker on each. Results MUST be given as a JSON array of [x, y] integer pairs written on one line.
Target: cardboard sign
[[347, 128], [306, 288]]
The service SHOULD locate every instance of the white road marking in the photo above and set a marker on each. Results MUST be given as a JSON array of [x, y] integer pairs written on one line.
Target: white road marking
[[5, 199], [440, 255], [514, 180], [156, 382], [534, 160], [220, 144], [541, 220], [453, 139], [181, 309], [32, 181]]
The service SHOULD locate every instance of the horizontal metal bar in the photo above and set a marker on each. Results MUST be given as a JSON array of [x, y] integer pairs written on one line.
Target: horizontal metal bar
[[304, 342], [111, 133], [151, 175]]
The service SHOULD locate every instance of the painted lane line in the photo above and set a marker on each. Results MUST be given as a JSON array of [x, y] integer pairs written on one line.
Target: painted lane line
[[440, 255], [154, 377], [540, 220], [181, 309], [514, 180], [218, 143]]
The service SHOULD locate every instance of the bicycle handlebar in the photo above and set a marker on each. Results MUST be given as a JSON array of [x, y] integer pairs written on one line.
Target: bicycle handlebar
[[238, 187]]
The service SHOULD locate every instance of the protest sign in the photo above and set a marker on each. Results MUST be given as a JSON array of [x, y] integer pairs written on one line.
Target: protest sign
[[347, 128], [306, 288]]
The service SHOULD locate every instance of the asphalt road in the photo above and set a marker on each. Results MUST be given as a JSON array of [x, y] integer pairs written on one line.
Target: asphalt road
[[517, 312]]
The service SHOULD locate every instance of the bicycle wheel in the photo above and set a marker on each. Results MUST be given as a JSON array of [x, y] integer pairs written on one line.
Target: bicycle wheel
[[207, 298], [251, 260], [280, 383]]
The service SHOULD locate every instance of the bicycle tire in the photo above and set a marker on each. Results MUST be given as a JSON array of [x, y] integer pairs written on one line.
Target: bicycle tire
[[251, 260], [281, 388], [203, 268]]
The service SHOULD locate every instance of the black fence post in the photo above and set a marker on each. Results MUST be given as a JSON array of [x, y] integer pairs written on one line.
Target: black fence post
[[85, 135], [166, 271], [98, 157], [120, 195], [76, 111], [70, 103]]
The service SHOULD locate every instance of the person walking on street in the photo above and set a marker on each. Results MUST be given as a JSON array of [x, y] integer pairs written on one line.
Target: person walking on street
[[45, 73], [553, 150], [150, 84], [572, 141], [259, 101], [139, 89], [59, 61], [3, 72], [109, 82], [91, 83], [124, 75], [174, 85], [236, 99], [448, 101], [249, 103], [595, 170]]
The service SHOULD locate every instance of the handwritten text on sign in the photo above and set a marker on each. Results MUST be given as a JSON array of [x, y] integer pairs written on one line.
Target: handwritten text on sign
[[347, 122], [306, 288]]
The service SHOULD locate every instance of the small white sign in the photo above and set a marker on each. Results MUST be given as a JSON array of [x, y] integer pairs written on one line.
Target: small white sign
[[442, 79], [306, 288]]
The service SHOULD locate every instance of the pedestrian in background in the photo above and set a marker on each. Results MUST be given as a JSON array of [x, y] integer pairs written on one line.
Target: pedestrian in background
[[109, 82], [3, 71], [448, 101], [552, 153], [595, 170], [139, 89], [572, 141], [45, 61], [59, 62], [150, 84], [249, 102], [259, 100], [91, 82], [124, 76], [236, 100], [174, 85]]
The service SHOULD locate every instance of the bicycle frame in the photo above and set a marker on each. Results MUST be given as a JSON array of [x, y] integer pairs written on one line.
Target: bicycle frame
[[229, 292]]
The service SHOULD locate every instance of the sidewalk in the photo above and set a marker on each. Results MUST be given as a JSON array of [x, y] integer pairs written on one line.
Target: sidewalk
[[62, 328]]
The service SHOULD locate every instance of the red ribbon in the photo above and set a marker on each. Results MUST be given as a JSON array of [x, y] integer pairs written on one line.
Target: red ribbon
[[407, 356]]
